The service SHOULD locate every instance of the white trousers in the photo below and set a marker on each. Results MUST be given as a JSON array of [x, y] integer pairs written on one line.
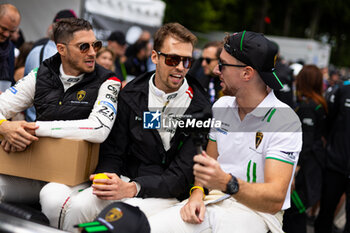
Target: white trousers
[[83, 206], [227, 216], [19, 190]]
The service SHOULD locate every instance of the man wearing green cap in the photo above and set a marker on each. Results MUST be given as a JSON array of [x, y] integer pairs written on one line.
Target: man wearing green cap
[[250, 160]]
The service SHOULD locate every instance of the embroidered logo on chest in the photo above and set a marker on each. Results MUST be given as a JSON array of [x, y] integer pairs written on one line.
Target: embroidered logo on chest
[[258, 138], [81, 95]]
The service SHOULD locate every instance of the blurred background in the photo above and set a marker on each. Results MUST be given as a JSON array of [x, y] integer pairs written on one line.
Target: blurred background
[[321, 24]]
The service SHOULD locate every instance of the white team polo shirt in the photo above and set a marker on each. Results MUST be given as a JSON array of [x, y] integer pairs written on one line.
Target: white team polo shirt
[[271, 131]]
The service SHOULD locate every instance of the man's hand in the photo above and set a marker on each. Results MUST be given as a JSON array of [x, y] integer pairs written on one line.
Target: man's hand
[[194, 210], [113, 188], [207, 171], [7, 147], [17, 134]]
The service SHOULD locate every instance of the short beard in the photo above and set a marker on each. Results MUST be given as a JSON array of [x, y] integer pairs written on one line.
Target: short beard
[[228, 92], [74, 64]]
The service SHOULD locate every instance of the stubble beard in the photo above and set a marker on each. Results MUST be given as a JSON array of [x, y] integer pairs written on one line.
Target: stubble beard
[[75, 65], [228, 92]]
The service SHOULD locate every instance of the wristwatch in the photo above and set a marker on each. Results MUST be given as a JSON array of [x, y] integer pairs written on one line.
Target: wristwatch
[[232, 186]]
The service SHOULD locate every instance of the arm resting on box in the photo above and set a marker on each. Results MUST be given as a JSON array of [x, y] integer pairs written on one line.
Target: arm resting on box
[[94, 129]]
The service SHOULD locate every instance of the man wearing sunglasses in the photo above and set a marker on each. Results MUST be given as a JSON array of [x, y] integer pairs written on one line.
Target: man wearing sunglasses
[[43, 49], [74, 98], [9, 21], [148, 167], [250, 160], [210, 59]]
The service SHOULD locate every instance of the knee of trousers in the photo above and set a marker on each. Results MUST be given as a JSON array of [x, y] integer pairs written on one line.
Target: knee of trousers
[[52, 196], [83, 205], [169, 221]]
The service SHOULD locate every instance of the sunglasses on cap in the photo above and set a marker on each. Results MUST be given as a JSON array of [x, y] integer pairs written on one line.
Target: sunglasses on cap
[[84, 47], [220, 64], [174, 60], [208, 60]]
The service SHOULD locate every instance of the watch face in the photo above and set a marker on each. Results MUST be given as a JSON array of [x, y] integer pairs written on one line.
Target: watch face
[[232, 186]]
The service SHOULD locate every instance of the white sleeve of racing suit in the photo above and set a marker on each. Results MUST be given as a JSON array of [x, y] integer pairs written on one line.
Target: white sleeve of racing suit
[[93, 129], [18, 97]]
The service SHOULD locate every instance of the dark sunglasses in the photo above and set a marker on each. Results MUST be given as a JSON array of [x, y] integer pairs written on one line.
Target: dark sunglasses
[[208, 60], [221, 65], [174, 60], [84, 47]]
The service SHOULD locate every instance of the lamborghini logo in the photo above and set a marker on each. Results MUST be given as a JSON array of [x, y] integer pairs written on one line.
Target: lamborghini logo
[[258, 138], [113, 215], [81, 95]]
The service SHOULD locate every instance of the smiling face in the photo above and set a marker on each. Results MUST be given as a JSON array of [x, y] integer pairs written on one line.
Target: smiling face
[[170, 78], [105, 59], [75, 62], [9, 23]]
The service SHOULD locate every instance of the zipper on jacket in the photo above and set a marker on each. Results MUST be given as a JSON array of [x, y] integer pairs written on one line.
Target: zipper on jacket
[[166, 104]]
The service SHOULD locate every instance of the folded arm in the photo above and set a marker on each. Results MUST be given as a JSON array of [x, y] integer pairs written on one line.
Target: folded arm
[[96, 127]]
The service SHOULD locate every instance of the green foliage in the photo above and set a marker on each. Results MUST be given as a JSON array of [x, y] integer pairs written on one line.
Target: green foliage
[[196, 15], [328, 19]]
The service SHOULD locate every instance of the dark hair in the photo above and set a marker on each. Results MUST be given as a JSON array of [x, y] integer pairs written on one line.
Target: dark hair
[[309, 84], [118, 37], [23, 53], [175, 30], [64, 29], [140, 45], [217, 44]]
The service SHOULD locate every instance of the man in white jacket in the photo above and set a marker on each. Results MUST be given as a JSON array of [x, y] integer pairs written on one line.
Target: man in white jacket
[[74, 98]]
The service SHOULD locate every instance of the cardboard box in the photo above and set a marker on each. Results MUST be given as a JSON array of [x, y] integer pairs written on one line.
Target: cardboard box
[[64, 161]]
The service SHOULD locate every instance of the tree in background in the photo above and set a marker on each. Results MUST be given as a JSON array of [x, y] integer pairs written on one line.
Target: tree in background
[[322, 20]]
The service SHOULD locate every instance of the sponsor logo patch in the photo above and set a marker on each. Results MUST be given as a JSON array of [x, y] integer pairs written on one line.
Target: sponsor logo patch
[[347, 103], [308, 121], [107, 112], [258, 138], [108, 105], [171, 96], [289, 154], [113, 215], [13, 90], [81, 95], [73, 80]]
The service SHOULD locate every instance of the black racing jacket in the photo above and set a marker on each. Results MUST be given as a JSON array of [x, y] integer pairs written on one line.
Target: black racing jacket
[[308, 181], [338, 143], [53, 103], [313, 119], [139, 153]]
